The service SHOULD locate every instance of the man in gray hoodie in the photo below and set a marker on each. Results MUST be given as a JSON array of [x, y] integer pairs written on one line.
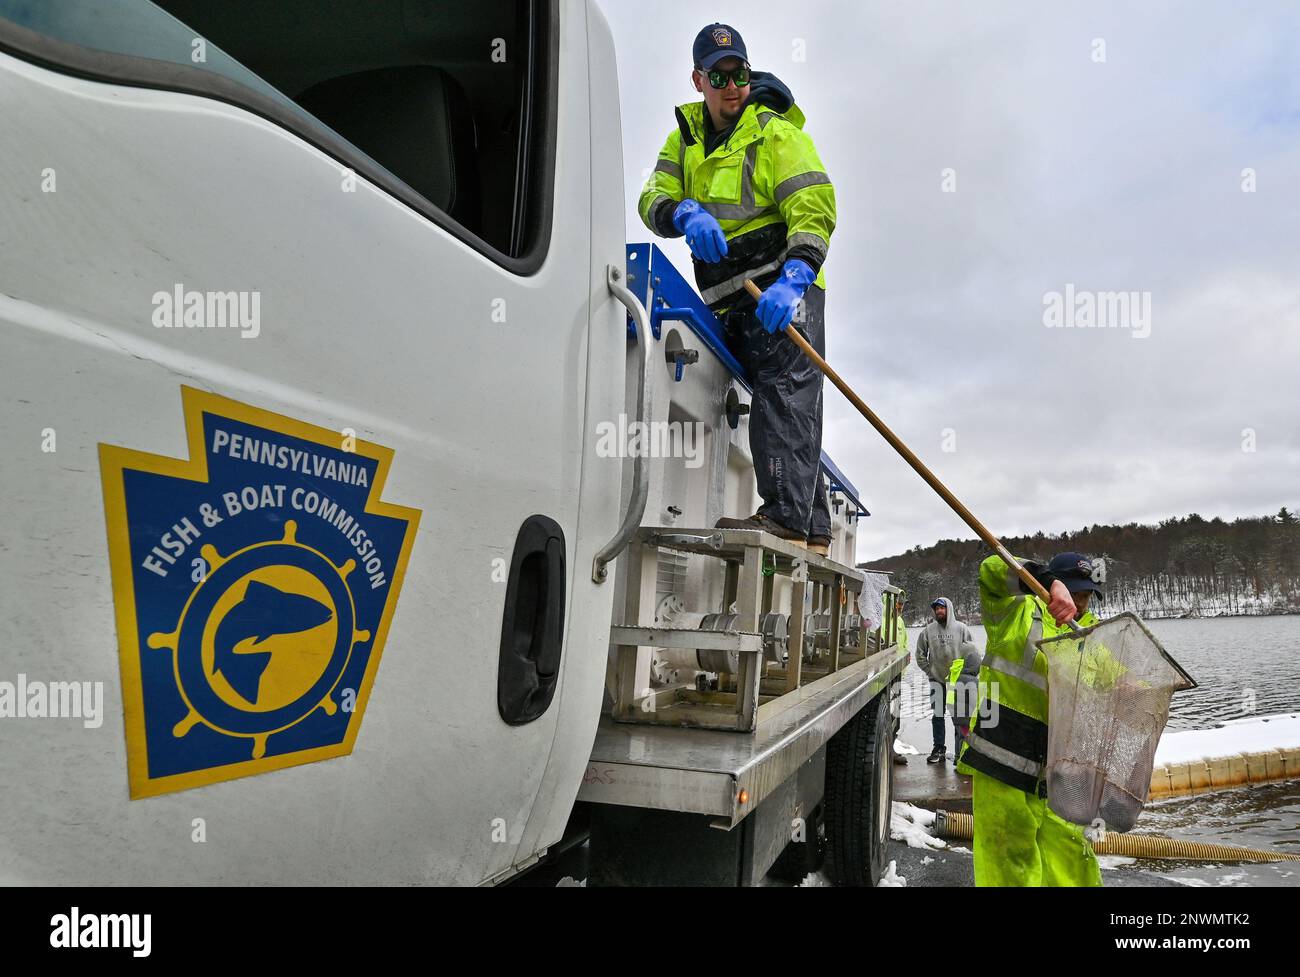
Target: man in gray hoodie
[[937, 648]]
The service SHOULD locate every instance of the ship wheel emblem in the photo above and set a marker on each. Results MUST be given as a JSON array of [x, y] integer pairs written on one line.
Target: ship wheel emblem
[[263, 640]]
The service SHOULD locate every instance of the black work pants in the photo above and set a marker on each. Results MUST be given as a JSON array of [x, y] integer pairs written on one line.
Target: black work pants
[[785, 419]]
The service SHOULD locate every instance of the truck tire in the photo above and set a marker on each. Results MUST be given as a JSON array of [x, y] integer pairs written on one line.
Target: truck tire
[[859, 795]]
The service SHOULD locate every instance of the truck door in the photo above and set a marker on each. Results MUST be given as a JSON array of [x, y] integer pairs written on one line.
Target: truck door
[[399, 193]]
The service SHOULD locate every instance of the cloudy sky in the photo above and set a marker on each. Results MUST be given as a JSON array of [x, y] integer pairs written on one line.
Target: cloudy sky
[[1104, 145]]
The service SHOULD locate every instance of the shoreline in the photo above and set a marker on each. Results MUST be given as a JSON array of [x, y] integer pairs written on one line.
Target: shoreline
[[1148, 617]]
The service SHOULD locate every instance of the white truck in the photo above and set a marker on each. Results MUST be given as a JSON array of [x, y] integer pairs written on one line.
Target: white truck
[[357, 511]]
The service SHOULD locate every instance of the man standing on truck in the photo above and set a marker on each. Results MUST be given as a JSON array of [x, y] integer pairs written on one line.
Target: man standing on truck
[[937, 648], [741, 180], [1018, 839]]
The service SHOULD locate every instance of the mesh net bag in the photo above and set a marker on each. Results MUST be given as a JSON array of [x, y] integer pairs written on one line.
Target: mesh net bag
[[871, 602], [1109, 688]]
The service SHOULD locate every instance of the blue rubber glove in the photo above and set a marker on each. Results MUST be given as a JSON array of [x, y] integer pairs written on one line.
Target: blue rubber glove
[[781, 299], [703, 232]]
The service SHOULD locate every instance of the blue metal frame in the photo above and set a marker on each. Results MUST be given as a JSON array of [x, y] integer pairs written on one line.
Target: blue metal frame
[[676, 301]]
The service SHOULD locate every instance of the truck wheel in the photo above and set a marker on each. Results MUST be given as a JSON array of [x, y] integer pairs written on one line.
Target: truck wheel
[[859, 794]]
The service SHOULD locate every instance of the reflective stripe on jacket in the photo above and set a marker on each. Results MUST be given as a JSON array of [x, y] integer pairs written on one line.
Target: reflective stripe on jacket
[[1011, 744], [764, 184]]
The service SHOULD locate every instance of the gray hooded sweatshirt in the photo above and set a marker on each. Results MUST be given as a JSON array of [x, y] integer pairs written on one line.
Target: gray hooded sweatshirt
[[940, 644]]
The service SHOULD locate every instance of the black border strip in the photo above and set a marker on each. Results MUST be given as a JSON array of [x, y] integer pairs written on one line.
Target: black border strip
[[136, 72]]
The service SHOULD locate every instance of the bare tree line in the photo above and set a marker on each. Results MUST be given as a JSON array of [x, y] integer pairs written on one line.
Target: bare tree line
[[1184, 567]]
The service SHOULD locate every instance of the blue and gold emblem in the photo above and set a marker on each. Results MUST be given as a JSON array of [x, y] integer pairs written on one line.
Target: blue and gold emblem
[[254, 585]]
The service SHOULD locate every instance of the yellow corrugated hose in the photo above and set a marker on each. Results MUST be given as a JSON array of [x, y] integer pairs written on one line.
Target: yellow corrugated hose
[[954, 824]]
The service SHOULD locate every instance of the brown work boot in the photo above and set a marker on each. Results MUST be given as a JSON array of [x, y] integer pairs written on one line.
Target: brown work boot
[[763, 523], [820, 545]]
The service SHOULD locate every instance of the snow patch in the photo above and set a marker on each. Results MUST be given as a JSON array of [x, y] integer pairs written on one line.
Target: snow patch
[[905, 749], [921, 815], [1114, 861], [909, 824], [1257, 734], [891, 879]]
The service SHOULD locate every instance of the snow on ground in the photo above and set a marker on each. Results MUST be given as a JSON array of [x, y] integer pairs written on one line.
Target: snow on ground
[[891, 879], [910, 824], [1272, 601], [1237, 879], [1114, 861], [1258, 734], [922, 816], [906, 749]]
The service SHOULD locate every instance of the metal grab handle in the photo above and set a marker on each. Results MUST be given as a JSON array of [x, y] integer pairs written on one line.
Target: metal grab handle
[[640, 473]]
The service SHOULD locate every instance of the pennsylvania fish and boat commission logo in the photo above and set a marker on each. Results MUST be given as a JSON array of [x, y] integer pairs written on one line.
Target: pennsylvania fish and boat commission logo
[[254, 585]]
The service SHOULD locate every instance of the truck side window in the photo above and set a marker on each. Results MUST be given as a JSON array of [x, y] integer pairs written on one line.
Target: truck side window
[[133, 28], [447, 105]]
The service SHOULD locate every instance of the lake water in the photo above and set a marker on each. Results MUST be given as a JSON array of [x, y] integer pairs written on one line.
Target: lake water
[[1244, 666]]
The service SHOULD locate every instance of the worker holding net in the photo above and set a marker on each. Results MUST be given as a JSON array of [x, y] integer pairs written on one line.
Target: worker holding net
[[1019, 839], [1108, 692]]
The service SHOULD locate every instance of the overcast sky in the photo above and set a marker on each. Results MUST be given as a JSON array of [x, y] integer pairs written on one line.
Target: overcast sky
[[1122, 174]]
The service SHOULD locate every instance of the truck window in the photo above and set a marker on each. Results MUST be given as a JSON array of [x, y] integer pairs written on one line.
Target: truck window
[[447, 105]]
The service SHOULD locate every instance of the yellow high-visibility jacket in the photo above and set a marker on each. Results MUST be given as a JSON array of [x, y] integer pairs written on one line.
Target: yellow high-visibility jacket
[[764, 184], [1013, 682]]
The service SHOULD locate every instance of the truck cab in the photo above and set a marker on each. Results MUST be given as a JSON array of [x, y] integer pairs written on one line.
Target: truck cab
[[321, 338]]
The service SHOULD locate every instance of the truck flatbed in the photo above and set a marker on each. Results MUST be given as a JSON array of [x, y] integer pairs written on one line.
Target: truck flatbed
[[722, 773]]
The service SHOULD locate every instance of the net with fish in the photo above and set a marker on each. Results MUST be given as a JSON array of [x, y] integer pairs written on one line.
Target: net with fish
[[1109, 688]]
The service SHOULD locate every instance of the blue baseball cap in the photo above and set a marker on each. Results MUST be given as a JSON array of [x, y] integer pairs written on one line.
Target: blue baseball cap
[[715, 42], [1077, 572]]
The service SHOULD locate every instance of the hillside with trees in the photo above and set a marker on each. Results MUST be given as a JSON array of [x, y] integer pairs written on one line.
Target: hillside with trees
[[1188, 567]]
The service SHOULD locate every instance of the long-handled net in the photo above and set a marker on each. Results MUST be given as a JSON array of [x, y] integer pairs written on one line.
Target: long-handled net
[[1109, 688]]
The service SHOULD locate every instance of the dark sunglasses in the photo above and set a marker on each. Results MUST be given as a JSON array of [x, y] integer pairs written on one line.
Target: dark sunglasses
[[718, 78]]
